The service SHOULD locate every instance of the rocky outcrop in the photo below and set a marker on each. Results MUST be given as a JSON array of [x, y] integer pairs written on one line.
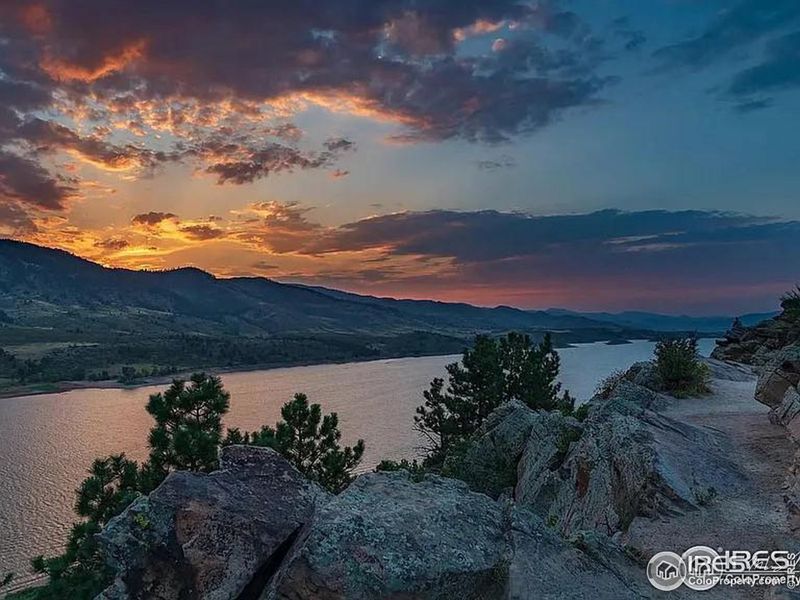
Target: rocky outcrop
[[779, 388], [587, 566], [629, 461], [489, 463], [781, 374], [757, 345], [544, 502], [257, 530], [389, 537], [219, 536]]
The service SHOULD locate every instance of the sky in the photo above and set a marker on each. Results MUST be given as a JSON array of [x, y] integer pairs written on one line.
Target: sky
[[587, 154]]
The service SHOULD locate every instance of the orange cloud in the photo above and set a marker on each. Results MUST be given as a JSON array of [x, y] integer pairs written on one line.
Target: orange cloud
[[63, 70]]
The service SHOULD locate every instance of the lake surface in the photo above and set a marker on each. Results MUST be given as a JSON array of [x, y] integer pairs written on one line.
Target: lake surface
[[48, 441]]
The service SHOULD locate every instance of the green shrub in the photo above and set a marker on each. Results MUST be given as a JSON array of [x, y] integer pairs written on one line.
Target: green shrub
[[581, 412], [6, 579], [565, 440], [186, 436], [679, 367], [607, 386], [416, 470], [790, 303]]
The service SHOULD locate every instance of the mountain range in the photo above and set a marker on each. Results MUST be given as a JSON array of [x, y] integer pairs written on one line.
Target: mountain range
[[80, 319], [712, 325], [52, 290]]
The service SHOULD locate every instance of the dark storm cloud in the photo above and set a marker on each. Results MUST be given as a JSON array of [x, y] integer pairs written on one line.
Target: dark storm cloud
[[339, 144], [14, 218], [394, 56], [112, 244], [22, 96], [48, 136], [202, 232], [504, 235]]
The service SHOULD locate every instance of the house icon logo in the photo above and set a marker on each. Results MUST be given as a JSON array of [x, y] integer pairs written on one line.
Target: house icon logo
[[666, 571]]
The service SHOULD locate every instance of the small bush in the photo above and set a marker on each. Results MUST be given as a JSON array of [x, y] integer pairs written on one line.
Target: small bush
[[581, 412], [6, 579], [790, 302], [607, 386], [679, 367], [563, 443], [416, 470]]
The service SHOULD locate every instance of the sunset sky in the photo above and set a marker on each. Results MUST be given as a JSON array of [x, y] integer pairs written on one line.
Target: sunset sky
[[590, 154]]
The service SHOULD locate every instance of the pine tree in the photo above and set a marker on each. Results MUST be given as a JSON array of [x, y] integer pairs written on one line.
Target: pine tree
[[188, 429], [310, 441]]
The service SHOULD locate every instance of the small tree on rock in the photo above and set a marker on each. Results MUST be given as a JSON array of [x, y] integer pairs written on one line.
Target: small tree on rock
[[490, 373], [81, 572], [188, 429], [310, 441]]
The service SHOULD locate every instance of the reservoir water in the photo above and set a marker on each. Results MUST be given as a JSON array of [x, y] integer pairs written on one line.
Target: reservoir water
[[48, 441]]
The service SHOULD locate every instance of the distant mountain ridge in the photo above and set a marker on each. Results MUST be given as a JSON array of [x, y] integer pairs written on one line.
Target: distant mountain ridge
[[660, 322], [64, 318], [41, 286]]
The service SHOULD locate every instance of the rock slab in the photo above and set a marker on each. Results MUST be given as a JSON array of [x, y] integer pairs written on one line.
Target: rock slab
[[218, 536], [387, 536]]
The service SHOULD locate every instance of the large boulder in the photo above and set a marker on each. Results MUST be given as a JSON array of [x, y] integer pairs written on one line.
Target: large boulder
[[778, 388], [778, 376], [389, 537], [629, 461], [219, 536], [488, 463]]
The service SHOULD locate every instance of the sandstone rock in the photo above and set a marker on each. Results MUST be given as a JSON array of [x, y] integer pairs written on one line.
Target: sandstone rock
[[388, 537], [778, 376], [629, 461], [217, 536]]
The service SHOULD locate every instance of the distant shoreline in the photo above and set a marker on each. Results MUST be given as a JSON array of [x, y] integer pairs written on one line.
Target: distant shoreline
[[68, 386], [59, 387]]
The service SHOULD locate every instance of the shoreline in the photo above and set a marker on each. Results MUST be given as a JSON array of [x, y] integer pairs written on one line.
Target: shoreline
[[60, 387]]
